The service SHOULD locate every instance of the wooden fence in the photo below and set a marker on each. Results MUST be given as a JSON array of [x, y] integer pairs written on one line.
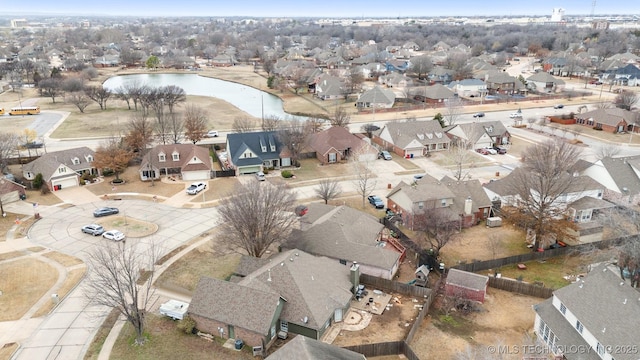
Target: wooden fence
[[379, 349], [423, 255], [520, 287], [394, 286]]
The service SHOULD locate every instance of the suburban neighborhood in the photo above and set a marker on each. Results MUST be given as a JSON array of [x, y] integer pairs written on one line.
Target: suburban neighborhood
[[279, 188]]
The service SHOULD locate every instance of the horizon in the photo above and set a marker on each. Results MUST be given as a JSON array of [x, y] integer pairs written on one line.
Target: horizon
[[328, 9]]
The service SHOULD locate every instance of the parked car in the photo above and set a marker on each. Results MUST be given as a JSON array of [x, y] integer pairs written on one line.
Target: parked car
[[196, 187], [212, 133], [34, 145], [93, 229], [376, 201], [418, 177], [558, 106], [114, 235], [260, 176], [482, 151], [105, 211], [515, 115], [478, 114], [491, 151], [385, 155], [500, 149]]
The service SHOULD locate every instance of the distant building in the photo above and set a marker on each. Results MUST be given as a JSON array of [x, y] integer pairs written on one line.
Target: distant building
[[19, 23], [557, 14]]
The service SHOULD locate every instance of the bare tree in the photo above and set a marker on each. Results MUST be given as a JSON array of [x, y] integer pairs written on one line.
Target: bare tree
[[459, 155], [28, 136], [116, 281], [171, 96], [421, 65], [255, 217], [140, 133], [315, 124], [626, 99], [328, 189], [79, 99], [629, 259], [195, 123], [365, 181], [176, 127], [603, 105], [544, 178], [605, 150], [437, 226], [340, 117], [353, 82], [8, 146], [98, 94], [271, 123], [243, 124], [453, 110], [51, 87]]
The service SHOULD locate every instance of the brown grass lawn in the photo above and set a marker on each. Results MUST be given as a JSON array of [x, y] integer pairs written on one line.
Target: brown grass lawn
[[23, 283], [167, 342], [7, 350], [6, 223], [63, 259], [133, 184], [73, 278], [202, 261]]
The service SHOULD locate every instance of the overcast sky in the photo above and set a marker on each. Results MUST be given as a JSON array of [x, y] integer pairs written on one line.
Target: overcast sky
[[325, 8]]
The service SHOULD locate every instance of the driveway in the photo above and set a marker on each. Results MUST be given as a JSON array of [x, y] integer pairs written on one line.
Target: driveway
[[67, 332]]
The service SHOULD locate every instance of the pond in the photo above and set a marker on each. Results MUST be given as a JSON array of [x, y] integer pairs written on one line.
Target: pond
[[255, 102]]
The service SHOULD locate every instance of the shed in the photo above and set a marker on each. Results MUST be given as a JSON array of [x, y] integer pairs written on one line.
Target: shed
[[466, 285]]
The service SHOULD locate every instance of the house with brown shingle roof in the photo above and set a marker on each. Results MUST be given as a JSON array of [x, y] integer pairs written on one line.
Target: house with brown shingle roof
[[412, 138], [301, 347], [348, 236], [294, 292], [612, 120], [10, 191], [336, 144], [619, 177], [188, 161], [61, 169]]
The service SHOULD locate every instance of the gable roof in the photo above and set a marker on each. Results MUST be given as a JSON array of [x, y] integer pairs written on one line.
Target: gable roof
[[475, 130], [604, 305], [436, 91], [343, 233], [186, 152], [468, 189], [302, 347], [545, 77], [623, 173], [240, 142], [377, 95], [427, 188], [48, 163], [467, 280], [424, 132], [335, 137], [246, 307], [312, 287], [613, 116]]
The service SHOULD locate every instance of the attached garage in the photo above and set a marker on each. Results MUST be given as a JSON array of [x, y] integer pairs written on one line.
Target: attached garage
[[411, 153], [10, 191], [249, 169], [63, 183], [196, 175]]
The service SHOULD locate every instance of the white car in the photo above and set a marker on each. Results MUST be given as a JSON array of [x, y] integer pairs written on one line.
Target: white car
[[515, 115], [196, 188], [491, 150], [114, 235], [212, 133], [260, 176]]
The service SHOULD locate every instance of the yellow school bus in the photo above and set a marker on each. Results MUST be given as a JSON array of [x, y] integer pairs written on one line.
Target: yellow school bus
[[25, 110]]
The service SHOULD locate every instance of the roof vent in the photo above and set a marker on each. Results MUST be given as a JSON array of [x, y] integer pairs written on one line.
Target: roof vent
[[580, 286], [297, 254], [603, 330], [282, 263], [269, 278], [621, 283], [305, 319], [291, 259], [624, 302]]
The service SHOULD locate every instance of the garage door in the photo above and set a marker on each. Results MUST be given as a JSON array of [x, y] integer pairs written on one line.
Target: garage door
[[64, 183], [250, 169], [196, 175], [10, 197], [414, 153]]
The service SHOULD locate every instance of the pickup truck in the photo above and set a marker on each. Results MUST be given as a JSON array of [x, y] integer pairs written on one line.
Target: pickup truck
[[174, 309]]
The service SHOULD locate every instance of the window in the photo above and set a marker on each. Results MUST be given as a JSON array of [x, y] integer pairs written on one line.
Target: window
[[175, 156], [420, 205], [89, 158], [75, 161], [162, 157], [62, 170], [600, 349], [563, 309], [579, 326], [443, 202]]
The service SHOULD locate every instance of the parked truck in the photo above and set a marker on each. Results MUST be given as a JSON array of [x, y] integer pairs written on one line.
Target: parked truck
[[174, 309]]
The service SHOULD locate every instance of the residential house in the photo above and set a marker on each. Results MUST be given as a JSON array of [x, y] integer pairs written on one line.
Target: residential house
[[468, 88], [543, 82], [337, 144], [584, 212], [434, 94], [612, 120], [294, 292], [348, 236], [10, 191], [251, 152], [596, 314], [463, 202], [302, 347], [412, 138], [190, 162], [619, 177], [440, 75], [466, 285], [223, 60], [627, 75], [499, 82], [61, 169], [395, 80], [329, 88], [480, 134], [376, 98]]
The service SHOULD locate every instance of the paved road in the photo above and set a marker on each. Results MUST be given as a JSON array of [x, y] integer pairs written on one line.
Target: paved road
[[68, 331]]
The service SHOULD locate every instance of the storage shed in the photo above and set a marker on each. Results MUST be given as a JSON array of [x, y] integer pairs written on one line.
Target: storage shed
[[466, 285]]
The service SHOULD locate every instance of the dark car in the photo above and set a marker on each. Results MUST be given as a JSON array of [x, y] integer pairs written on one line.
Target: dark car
[[376, 201], [33, 145], [105, 211], [478, 114], [385, 155], [500, 149]]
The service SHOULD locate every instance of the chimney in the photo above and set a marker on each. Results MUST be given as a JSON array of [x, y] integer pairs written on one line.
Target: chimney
[[468, 205], [355, 276]]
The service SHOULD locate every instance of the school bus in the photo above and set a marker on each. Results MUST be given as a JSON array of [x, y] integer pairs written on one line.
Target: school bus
[[25, 110]]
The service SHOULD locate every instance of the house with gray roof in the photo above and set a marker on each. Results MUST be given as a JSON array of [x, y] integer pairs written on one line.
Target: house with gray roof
[[251, 152], [293, 292], [412, 138], [543, 82], [434, 94], [613, 120], [499, 83], [466, 285], [329, 88], [468, 88], [301, 347], [619, 177], [479, 135], [189, 161], [376, 98], [597, 314], [348, 236], [61, 169]]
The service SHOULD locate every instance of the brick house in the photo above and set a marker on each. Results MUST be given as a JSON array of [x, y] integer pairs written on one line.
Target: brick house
[[190, 162], [612, 120], [412, 138], [336, 144], [61, 169]]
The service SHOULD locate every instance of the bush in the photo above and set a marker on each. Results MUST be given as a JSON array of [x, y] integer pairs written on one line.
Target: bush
[[287, 174], [265, 171], [108, 172], [216, 147], [187, 324], [38, 181]]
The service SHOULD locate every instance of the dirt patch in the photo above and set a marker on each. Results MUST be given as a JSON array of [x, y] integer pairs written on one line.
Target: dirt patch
[[23, 283], [504, 318], [129, 226]]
